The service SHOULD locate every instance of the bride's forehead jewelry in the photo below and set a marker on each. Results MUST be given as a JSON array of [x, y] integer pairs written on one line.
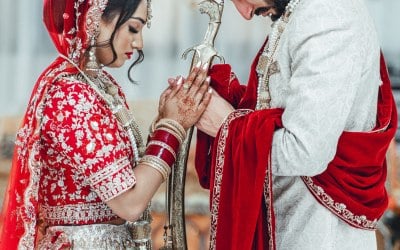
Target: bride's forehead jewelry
[[149, 14]]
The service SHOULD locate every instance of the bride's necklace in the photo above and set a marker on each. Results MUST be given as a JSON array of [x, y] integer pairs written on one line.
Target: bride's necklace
[[267, 64], [108, 91]]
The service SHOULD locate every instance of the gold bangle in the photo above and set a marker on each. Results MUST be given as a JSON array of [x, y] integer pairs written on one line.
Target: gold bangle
[[153, 126], [156, 163], [177, 126], [157, 168], [171, 128]]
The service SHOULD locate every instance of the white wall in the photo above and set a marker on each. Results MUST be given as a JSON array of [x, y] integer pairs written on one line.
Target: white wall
[[25, 48], [387, 20]]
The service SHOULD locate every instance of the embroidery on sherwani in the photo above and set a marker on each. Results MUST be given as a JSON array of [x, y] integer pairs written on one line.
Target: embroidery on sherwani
[[220, 159]]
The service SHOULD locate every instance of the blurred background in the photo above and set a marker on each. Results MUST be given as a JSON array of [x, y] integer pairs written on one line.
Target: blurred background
[[25, 50]]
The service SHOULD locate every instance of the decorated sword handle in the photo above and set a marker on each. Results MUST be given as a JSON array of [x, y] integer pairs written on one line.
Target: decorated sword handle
[[175, 231], [205, 52]]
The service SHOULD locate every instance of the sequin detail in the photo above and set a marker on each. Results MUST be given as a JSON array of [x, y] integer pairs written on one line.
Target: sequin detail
[[98, 236], [82, 165]]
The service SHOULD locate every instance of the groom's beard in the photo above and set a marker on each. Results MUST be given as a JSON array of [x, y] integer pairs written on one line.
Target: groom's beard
[[280, 6]]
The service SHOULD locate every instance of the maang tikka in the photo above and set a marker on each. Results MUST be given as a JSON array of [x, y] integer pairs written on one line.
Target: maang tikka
[[92, 66], [149, 13]]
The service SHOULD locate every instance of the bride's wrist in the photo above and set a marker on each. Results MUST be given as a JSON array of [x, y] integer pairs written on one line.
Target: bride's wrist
[[166, 136]]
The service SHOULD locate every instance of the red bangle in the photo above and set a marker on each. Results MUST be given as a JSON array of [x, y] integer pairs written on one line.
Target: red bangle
[[162, 153], [168, 138]]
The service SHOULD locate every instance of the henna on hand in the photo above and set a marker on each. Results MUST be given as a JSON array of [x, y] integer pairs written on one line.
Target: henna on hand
[[186, 105]]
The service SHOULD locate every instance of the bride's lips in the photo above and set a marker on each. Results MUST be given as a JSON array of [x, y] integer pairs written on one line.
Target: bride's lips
[[129, 55]]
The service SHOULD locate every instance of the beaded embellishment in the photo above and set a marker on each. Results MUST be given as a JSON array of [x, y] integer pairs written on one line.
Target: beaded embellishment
[[267, 65]]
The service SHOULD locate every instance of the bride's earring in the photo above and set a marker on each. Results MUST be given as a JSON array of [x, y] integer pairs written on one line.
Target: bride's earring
[[92, 65]]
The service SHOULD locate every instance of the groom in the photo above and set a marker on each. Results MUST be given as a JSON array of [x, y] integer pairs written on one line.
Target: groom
[[295, 159]]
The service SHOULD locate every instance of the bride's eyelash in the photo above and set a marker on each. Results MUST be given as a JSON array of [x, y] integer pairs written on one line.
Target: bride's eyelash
[[133, 30]]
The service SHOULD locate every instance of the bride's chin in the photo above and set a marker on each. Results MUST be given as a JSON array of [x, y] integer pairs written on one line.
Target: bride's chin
[[117, 64]]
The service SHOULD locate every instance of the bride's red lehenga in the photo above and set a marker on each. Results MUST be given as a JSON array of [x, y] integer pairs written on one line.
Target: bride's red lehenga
[[71, 154]]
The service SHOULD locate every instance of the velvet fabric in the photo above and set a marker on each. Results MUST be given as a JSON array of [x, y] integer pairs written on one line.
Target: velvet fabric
[[236, 166], [241, 190], [354, 182]]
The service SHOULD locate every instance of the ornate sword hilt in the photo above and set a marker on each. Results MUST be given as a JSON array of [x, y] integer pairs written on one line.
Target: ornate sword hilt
[[205, 52], [175, 230]]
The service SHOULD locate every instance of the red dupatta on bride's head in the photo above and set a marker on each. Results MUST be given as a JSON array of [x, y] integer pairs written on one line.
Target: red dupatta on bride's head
[[72, 24]]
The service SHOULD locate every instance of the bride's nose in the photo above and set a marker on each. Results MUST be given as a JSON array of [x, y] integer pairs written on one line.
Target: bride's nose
[[137, 43]]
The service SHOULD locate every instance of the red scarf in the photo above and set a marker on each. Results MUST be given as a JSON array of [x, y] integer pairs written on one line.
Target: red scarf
[[70, 24], [241, 186], [239, 176], [353, 186]]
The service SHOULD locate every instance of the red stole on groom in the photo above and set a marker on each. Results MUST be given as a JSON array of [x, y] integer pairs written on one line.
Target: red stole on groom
[[353, 186], [236, 168]]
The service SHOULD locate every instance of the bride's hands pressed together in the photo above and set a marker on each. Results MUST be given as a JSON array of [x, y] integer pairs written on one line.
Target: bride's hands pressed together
[[186, 99]]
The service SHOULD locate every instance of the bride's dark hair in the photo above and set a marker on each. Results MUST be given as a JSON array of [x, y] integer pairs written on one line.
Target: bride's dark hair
[[125, 10]]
